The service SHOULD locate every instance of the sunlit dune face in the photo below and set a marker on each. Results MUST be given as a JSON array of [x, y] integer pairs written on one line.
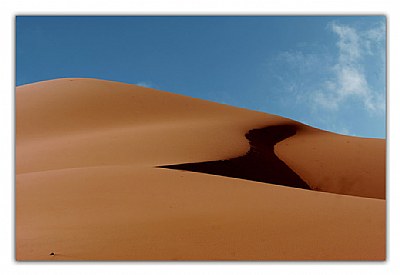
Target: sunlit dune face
[[111, 171]]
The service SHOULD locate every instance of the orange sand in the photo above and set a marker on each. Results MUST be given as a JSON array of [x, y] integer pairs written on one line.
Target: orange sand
[[87, 185]]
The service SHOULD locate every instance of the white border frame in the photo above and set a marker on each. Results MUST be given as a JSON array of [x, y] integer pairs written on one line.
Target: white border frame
[[12, 8]]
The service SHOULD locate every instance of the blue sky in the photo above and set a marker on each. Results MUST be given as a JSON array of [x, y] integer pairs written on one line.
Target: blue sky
[[325, 71]]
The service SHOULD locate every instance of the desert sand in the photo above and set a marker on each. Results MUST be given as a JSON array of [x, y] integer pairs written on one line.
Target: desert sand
[[114, 171]]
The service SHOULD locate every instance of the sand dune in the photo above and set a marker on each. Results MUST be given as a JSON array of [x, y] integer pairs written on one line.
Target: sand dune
[[105, 172], [260, 163], [336, 163]]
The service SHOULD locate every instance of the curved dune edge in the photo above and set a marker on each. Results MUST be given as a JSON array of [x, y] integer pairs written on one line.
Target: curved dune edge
[[87, 187], [335, 163], [259, 163]]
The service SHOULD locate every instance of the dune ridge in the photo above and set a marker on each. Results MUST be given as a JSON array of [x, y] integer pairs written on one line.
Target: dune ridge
[[259, 163], [88, 186]]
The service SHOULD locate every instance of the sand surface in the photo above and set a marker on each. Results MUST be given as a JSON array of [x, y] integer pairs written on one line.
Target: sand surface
[[89, 182]]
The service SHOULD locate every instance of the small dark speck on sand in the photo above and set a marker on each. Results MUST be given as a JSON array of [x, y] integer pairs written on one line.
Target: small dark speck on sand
[[52, 254]]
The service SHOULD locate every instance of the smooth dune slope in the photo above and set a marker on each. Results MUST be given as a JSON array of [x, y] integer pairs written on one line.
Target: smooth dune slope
[[89, 186], [337, 163]]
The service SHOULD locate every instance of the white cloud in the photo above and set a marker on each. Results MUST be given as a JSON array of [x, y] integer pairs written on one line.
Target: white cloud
[[350, 81], [146, 84], [297, 72], [327, 101], [348, 77], [299, 60], [348, 43], [344, 78], [374, 37], [344, 131]]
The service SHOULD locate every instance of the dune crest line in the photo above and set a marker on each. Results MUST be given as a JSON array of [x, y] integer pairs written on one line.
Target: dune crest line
[[259, 163]]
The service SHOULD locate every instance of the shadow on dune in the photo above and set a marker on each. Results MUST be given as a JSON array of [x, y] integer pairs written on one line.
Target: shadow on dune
[[259, 164]]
